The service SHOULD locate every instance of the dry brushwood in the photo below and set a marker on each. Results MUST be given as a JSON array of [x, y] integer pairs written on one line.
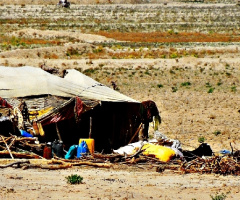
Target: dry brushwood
[[225, 165], [18, 163], [218, 165], [101, 165], [10, 153], [52, 165], [19, 147], [79, 162], [27, 155]]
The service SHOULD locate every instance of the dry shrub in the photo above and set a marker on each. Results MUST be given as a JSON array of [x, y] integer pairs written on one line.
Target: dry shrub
[[21, 33], [212, 116], [75, 63], [6, 63], [226, 132], [54, 56], [171, 37], [40, 41]]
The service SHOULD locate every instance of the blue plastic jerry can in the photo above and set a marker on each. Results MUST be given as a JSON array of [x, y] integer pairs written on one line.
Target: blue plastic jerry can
[[82, 149]]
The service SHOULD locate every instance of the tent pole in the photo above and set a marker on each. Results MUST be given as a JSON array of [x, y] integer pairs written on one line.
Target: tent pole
[[58, 133], [140, 126], [90, 128]]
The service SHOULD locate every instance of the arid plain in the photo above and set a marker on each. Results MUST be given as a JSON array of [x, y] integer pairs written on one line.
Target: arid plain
[[183, 56]]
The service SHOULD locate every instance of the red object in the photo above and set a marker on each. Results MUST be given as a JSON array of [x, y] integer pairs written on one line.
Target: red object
[[4, 103], [47, 152], [78, 107], [64, 113]]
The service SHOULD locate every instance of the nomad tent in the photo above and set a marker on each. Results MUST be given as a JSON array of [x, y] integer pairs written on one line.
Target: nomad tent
[[31, 81], [73, 107]]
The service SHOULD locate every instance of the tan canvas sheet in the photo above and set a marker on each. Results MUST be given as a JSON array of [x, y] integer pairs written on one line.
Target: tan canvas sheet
[[31, 81]]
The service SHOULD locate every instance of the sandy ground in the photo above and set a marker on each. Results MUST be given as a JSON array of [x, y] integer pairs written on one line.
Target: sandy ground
[[114, 183], [185, 116]]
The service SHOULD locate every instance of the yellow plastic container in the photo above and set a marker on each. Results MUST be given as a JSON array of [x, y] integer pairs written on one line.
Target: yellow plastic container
[[90, 144], [161, 152]]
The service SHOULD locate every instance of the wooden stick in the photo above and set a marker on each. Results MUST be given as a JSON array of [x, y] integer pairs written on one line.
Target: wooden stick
[[104, 165], [50, 167], [79, 162], [90, 128], [55, 161], [135, 133], [12, 142], [20, 155], [58, 133], [26, 139], [6, 138], [138, 152], [14, 163], [52, 164], [7, 148], [107, 156]]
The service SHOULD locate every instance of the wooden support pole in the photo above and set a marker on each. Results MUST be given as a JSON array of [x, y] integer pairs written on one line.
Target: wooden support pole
[[90, 128], [58, 133], [135, 133]]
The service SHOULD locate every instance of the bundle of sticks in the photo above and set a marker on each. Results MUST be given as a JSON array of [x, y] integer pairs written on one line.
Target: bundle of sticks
[[19, 147]]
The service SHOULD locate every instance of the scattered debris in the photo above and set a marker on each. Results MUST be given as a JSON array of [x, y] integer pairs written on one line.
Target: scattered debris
[[203, 150], [224, 165]]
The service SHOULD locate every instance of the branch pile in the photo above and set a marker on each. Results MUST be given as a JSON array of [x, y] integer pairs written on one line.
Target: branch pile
[[19, 147], [26, 148], [226, 165]]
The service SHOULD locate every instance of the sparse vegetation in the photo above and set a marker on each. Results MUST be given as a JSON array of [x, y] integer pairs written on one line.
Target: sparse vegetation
[[72, 51], [218, 196], [89, 71], [233, 88], [208, 85], [201, 139], [219, 83], [74, 179], [216, 133], [159, 85], [185, 84], [174, 89], [211, 90]]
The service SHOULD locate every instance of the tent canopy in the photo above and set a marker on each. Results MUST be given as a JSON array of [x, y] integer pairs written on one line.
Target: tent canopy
[[32, 81]]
